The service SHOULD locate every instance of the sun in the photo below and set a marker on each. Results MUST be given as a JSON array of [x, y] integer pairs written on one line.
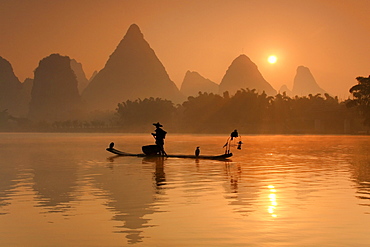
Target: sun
[[272, 59]]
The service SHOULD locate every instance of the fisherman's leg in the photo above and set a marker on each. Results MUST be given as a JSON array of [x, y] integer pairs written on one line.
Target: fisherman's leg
[[162, 150]]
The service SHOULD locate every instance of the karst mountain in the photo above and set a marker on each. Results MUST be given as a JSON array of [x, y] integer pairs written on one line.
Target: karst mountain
[[10, 88], [284, 89], [244, 74], [305, 83], [54, 93], [80, 75], [194, 83], [132, 71]]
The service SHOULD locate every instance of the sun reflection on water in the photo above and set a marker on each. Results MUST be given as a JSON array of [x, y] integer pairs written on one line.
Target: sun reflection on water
[[273, 202]]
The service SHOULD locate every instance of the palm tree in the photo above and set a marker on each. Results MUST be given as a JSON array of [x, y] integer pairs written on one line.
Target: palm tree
[[361, 98]]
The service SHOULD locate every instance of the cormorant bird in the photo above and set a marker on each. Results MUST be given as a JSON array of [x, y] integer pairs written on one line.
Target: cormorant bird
[[197, 151]]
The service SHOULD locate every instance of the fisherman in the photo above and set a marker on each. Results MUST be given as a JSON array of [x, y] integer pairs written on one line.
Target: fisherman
[[159, 136], [234, 134]]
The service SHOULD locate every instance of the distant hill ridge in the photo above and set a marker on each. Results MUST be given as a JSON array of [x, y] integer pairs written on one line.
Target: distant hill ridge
[[132, 71]]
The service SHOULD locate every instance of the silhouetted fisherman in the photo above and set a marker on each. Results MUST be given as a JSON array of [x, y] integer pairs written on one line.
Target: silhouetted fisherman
[[159, 136], [234, 134], [197, 152]]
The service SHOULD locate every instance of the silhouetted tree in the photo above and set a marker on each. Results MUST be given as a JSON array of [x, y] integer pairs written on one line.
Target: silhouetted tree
[[198, 112], [251, 112], [246, 110], [139, 114], [280, 113], [361, 98]]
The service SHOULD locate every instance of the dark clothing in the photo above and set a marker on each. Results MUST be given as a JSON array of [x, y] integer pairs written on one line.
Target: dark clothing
[[234, 134], [159, 136]]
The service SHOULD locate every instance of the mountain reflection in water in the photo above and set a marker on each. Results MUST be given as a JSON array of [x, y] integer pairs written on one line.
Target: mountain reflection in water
[[65, 189], [130, 193], [54, 179]]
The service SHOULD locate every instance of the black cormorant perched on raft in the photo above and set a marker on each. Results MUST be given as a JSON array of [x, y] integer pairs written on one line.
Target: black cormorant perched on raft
[[197, 152]]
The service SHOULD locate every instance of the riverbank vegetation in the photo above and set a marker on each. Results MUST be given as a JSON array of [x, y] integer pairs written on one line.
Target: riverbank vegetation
[[248, 111]]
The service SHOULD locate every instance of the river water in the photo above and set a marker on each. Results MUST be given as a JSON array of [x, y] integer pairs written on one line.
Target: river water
[[66, 190]]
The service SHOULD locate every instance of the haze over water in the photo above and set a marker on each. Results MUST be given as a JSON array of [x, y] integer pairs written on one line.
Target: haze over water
[[66, 190]]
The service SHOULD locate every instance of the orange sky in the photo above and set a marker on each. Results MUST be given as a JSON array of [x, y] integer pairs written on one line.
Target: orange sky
[[331, 37]]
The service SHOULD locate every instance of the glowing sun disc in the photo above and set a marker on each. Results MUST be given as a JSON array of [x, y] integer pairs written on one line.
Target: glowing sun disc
[[272, 59]]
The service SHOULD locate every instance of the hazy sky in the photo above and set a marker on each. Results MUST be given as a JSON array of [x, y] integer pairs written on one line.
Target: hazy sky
[[331, 37]]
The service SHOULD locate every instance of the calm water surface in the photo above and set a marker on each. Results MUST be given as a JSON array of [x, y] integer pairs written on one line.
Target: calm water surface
[[66, 190]]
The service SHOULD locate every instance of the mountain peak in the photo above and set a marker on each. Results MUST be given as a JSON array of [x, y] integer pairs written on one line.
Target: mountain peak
[[305, 83], [243, 57], [284, 89], [243, 60], [243, 74], [303, 69], [54, 94], [132, 71], [194, 83], [134, 31]]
